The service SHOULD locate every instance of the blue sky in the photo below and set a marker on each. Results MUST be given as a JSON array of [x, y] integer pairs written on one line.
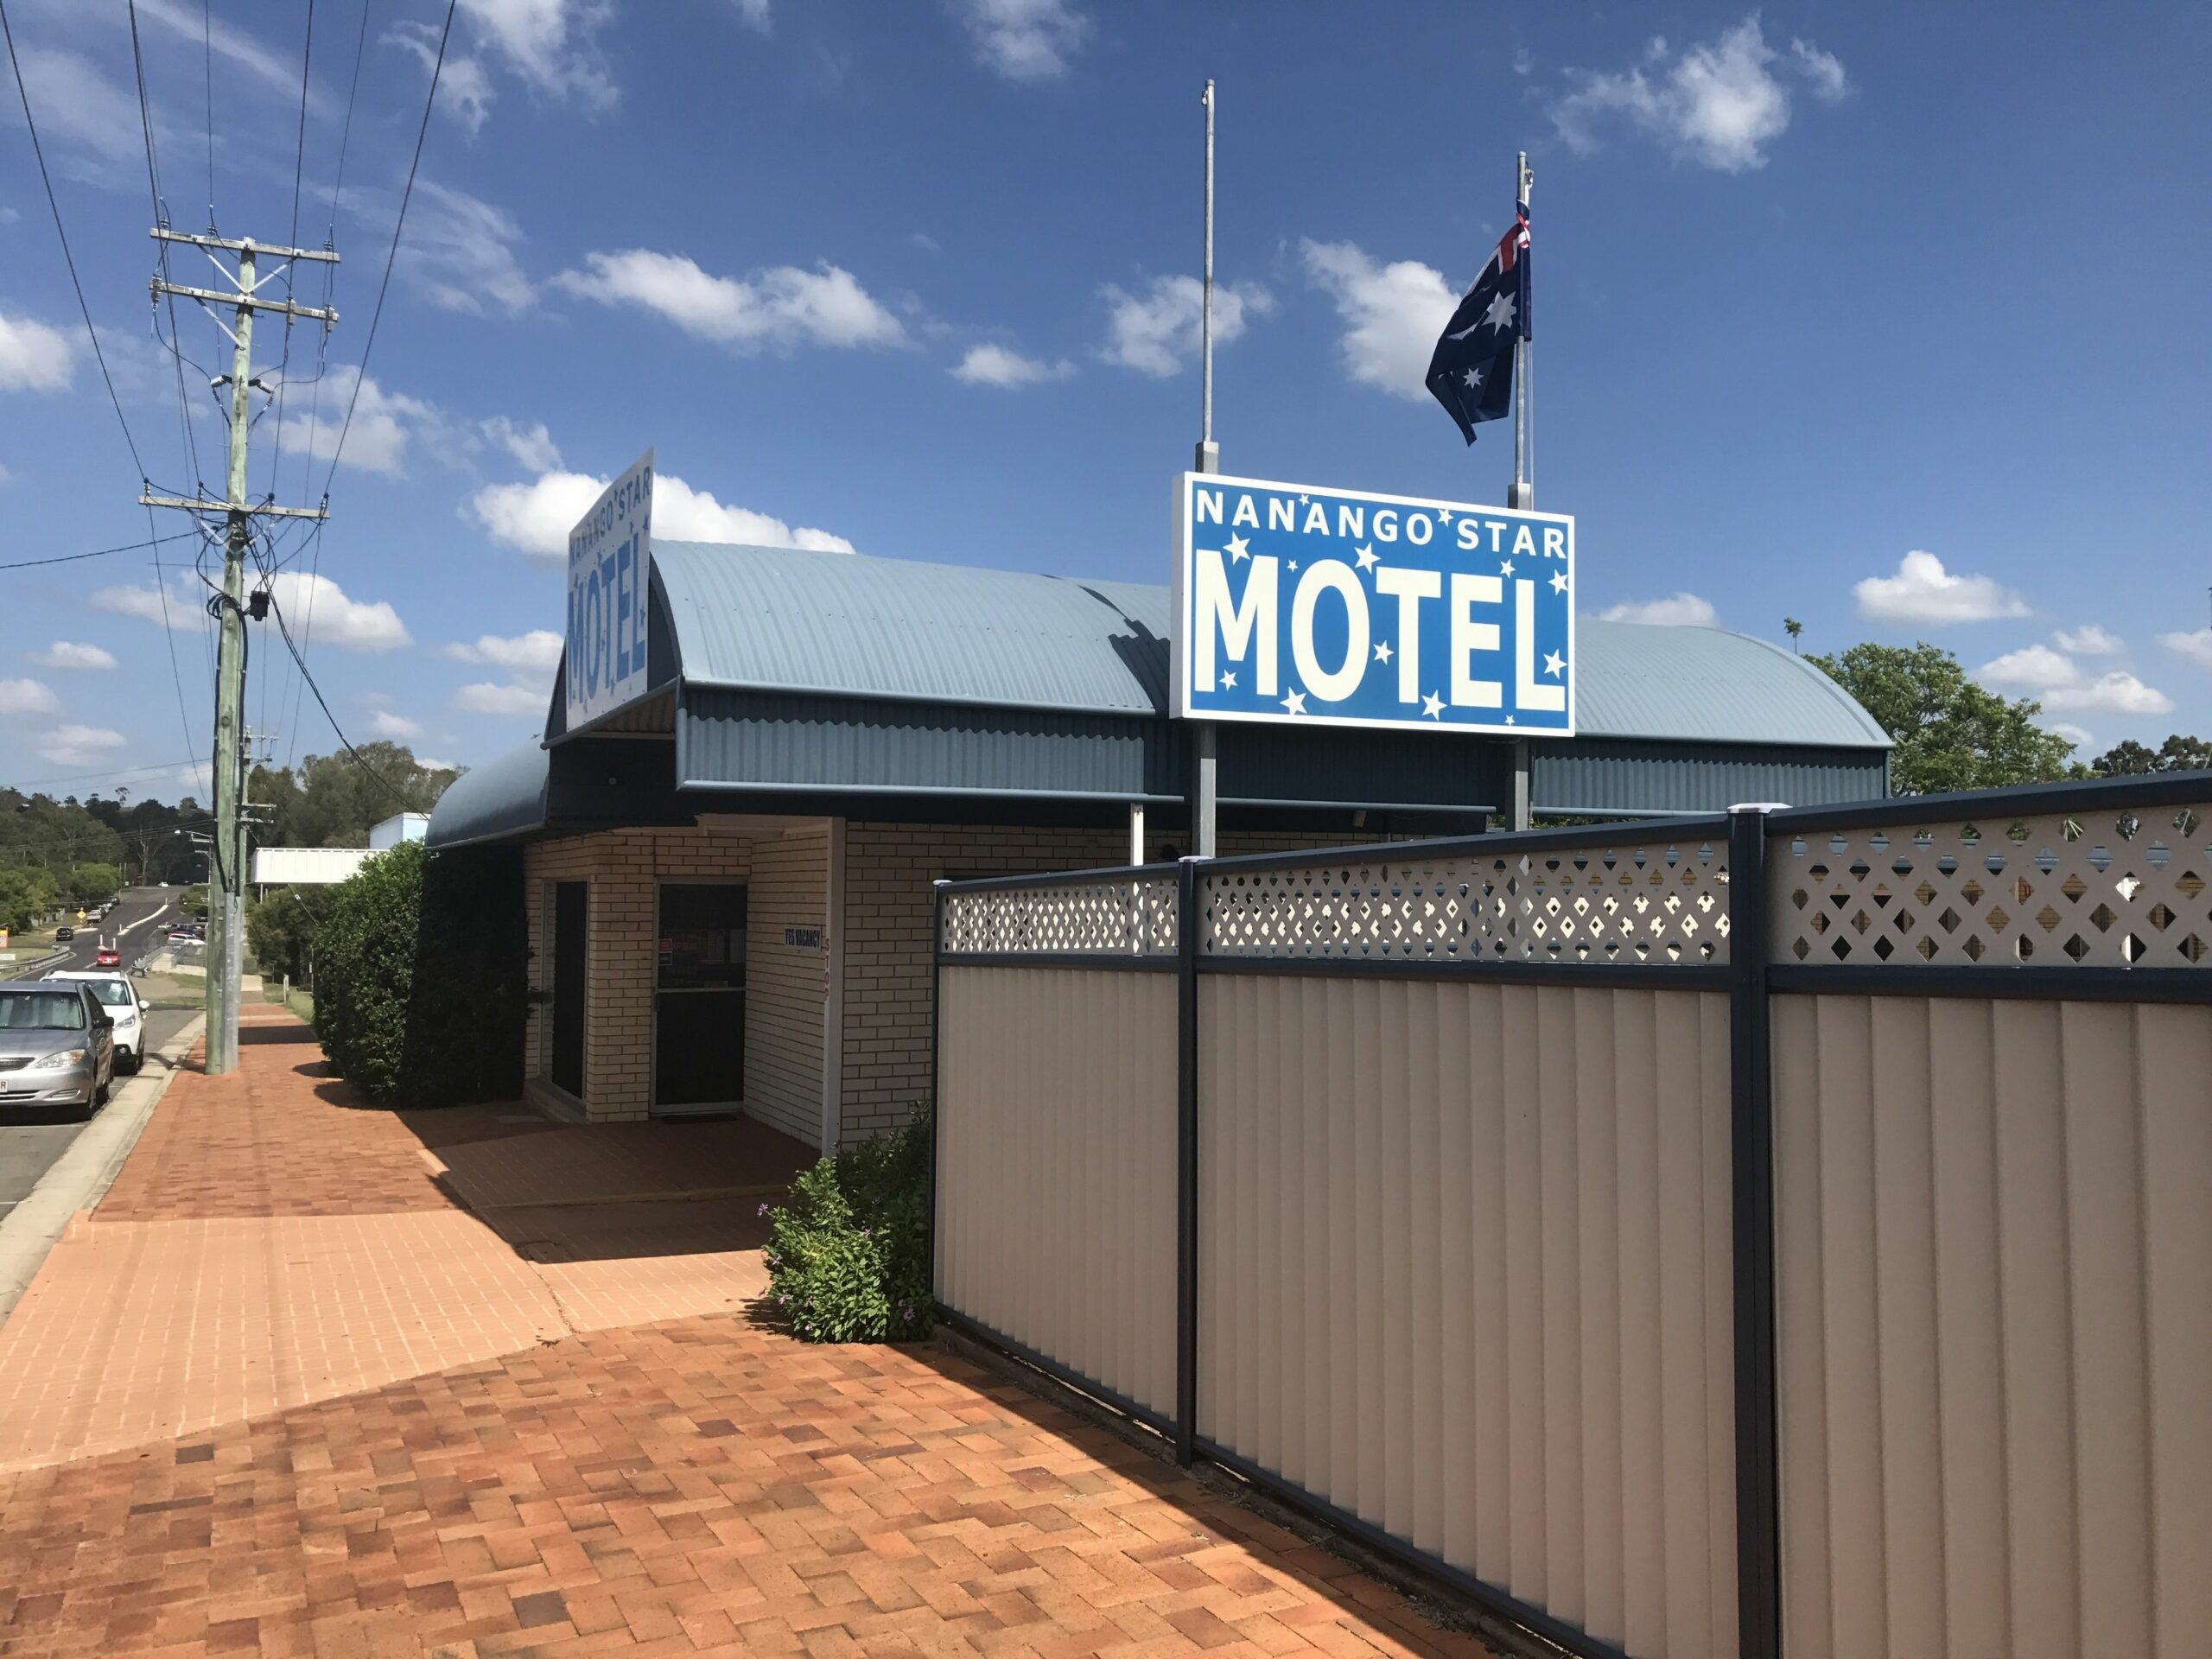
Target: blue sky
[[1887, 317]]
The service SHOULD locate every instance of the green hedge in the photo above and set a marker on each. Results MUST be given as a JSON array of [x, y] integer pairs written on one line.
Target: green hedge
[[421, 967], [848, 1257]]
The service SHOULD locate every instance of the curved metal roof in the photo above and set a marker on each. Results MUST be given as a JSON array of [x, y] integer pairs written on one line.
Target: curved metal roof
[[777, 619], [504, 796]]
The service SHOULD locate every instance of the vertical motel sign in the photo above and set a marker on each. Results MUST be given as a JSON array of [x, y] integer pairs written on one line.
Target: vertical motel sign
[[1299, 604], [610, 554]]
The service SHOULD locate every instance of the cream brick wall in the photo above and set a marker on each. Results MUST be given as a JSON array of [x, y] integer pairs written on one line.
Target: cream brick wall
[[624, 869], [785, 986]]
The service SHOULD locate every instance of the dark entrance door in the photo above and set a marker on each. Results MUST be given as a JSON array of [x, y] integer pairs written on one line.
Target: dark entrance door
[[569, 979], [699, 998]]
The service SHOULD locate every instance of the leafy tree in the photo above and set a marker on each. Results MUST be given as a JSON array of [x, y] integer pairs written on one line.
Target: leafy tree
[[26, 895], [94, 884], [2177, 753], [1950, 732], [334, 800], [281, 929], [421, 964]]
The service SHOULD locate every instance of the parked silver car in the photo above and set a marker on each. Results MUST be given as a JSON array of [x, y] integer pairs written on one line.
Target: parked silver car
[[57, 1047]]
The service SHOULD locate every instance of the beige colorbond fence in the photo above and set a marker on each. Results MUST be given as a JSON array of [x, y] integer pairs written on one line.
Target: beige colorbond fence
[[1818, 1263]]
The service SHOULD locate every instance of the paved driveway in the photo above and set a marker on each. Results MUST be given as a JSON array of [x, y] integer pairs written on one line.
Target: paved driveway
[[316, 1379]]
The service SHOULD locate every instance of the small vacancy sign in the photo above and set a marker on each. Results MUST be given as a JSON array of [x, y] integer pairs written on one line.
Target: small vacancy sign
[[1297, 603], [609, 554]]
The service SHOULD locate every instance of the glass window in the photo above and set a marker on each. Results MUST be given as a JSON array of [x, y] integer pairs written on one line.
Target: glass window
[[701, 943], [41, 1011]]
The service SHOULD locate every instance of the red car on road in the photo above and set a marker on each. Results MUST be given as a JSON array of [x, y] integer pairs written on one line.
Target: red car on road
[[108, 958]]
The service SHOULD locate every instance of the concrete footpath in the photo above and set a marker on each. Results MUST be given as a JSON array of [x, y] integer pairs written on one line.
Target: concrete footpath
[[76, 1180]]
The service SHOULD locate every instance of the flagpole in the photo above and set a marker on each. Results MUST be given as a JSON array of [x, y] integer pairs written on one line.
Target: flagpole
[[1523, 492], [1205, 769], [1209, 451]]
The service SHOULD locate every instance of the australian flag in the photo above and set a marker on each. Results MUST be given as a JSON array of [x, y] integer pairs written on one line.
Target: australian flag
[[1472, 371]]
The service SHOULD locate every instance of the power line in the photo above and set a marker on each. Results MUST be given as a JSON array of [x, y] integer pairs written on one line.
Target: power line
[[406, 194], [207, 67], [407, 803], [68, 258], [284, 364], [376, 316], [101, 552]]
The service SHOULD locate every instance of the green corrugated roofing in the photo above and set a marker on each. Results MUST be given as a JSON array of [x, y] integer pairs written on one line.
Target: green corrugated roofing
[[849, 625]]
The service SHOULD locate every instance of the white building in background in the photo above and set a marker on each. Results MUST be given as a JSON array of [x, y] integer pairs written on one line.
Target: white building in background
[[316, 866]]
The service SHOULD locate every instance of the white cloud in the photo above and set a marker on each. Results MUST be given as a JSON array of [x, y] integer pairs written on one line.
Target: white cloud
[[1024, 39], [537, 517], [33, 357], [755, 14], [550, 44], [995, 365], [1720, 105], [2089, 641], [317, 609], [531, 445], [196, 24], [1392, 314], [2038, 665], [384, 424], [777, 309], [539, 650], [487, 698], [2077, 735], [78, 107], [465, 90], [1922, 591], [1823, 71], [2116, 693], [62, 653], [1157, 333], [428, 765], [1676, 611], [28, 697], [69, 745], [459, 250], [396, 728], [2197, 646], [184, 607]]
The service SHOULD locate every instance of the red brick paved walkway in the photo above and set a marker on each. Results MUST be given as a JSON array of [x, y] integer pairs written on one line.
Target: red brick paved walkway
[[577, 1481]]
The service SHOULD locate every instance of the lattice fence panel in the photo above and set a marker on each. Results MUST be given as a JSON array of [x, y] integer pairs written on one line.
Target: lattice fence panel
[[1130, 917], [2111, 889], [1659, 905]]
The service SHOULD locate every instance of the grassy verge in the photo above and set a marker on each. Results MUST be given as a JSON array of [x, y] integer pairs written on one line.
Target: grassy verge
[[172, 990], [299, 1002]]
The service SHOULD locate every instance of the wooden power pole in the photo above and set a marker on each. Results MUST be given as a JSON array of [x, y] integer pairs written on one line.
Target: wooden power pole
[[225, 912]]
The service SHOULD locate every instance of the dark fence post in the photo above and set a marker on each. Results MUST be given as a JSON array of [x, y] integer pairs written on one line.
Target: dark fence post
[[1758, 1535], [937, 1048], [1187, 929]]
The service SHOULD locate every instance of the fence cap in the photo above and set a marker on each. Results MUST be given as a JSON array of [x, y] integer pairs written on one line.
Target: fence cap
[[1760, 806]]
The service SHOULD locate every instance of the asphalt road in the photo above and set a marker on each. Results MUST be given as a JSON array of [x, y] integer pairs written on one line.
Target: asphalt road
[[134, 927], [30, 1142]]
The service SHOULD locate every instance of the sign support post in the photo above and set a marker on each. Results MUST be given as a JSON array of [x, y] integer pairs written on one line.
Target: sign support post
[[1205, 758], [1523, 494]]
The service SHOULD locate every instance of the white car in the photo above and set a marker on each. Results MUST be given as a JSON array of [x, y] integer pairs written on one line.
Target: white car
[[120, 998]]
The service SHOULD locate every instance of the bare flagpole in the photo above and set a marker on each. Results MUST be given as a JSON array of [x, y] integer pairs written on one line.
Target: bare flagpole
[[1209, 451], [1523, 492]]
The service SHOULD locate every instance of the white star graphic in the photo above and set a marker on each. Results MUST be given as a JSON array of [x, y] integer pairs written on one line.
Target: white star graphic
[[1508, 720], [1505, 568], [1301, 500], [1474, 379], [1228, 682], [1554, 663], [1444, 515], [1382, 652], [1293, 564], [1295, 702], [1559, 582], [1500, 315], [1238, 549], [1432, 707], [1364, 558]]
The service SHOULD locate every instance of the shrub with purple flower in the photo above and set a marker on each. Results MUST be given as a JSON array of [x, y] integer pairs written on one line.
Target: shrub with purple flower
[[847, 1256]]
